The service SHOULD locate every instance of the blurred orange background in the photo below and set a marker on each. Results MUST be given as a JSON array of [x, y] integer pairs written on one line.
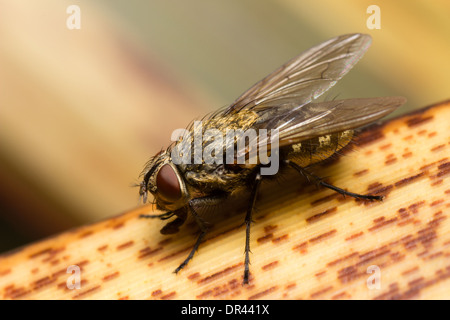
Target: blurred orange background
[[82, 110]]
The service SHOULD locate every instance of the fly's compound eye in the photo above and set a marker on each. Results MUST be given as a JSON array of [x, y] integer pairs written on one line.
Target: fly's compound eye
[[167, 184]]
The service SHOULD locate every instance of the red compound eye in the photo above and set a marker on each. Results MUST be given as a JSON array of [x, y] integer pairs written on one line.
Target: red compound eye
[[167, 184]]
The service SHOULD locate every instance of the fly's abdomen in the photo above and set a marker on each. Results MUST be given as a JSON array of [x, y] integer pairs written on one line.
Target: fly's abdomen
[[317, 149]]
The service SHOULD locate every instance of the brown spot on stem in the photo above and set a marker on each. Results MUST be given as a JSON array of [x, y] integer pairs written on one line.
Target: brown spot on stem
[[409, 180], [320, 215], [323, 236], [125, 245], [222, 273], [111, 276], [321, 292], [438, 148], [263, 293], [86, 292], [269, 266], [354, 236], [169, 296], [361, 173], [417, 121], [147, 252], [280, 238], [265, 238]]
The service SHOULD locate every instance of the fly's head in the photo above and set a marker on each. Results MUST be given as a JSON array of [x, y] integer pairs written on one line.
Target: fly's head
[[164, 181]]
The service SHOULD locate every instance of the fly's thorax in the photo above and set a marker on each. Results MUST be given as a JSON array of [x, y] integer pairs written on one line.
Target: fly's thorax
[[203, 138], [204, 151], [236, 121], [165, 182], [317, 149], [204, 178]]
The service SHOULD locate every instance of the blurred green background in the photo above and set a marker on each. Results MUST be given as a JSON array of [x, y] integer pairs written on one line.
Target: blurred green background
[[82, 110]]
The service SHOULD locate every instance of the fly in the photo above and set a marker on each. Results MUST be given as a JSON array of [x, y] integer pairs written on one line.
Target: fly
[[307, 131]]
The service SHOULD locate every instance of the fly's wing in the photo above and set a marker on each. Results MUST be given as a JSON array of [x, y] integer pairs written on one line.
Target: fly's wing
[[305, 77], [287, 126], [284, 99], [321, 118]]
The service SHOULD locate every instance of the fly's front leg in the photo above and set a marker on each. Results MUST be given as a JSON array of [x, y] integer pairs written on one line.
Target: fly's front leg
[[173, 226], [206, 201], [319, 181], [248, 221]]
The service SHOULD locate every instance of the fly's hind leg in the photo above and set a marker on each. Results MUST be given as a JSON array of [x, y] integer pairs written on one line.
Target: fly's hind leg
[[248, 221], [319, 181], [204, 226]]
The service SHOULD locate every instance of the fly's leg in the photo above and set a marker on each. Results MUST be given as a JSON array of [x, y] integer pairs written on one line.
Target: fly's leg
[[329, 186], [351, 194], [162, 216], [248, 221], [206, 201], [171, 227]]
